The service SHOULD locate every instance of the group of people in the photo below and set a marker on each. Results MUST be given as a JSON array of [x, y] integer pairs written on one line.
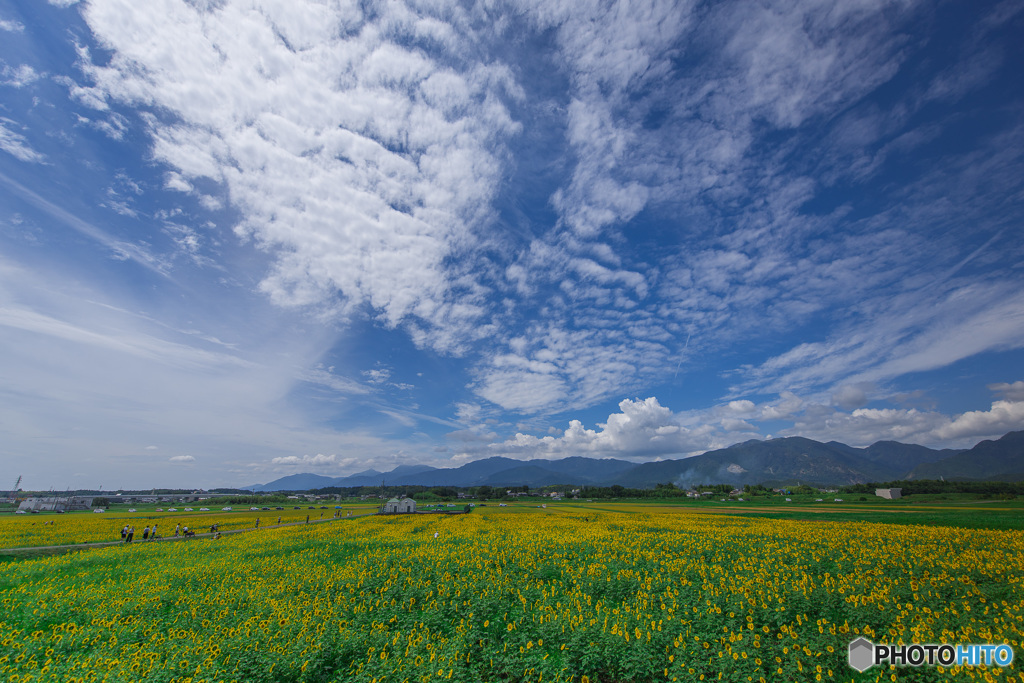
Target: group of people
[[128, 533], [149, 534]]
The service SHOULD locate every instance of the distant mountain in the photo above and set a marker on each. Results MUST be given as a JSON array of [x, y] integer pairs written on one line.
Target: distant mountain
[[1000, 460], [531, 474], [790, 460], [474, 473], [404, 470], [903, 456], [364, 478], [587, 470], [785, 461], [778, 461], [296, 482]]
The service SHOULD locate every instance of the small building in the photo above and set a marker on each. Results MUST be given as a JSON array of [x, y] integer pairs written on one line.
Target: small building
[[889, 494], [397, 506]]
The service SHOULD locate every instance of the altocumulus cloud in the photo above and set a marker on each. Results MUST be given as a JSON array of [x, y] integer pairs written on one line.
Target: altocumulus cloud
[[360, 147]]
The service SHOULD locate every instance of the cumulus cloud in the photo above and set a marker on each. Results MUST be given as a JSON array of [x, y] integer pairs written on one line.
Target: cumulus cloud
[[182, 458], [642, 429], [787, 405], [1004, 416]]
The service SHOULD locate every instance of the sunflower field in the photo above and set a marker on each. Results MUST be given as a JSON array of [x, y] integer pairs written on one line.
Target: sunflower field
[[541, 595]]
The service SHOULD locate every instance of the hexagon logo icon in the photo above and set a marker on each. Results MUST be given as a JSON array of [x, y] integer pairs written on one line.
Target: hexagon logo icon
[[862, 654]]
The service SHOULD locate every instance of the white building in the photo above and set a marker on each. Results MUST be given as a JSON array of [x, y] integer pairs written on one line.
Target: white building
[[890, 494], [397, 506]]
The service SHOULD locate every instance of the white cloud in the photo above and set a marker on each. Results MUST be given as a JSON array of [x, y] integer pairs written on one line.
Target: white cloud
[[522, 389], [182, 458], [362, 163], [467, 412], [327, 378], [119, 249], [18, 77], [1004, 416], [923, 330], [1010, 391], [740, 407], [318, 460], [850, 397], [377, 375], [143, 346], [644, 429], [16, 145], [11, 26], [864, 426], [611, 51], [787, 405]]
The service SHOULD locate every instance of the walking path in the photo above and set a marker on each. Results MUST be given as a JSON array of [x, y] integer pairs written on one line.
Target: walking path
[[161, 539]]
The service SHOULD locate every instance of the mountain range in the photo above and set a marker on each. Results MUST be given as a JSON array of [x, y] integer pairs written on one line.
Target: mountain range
[[785, 461]]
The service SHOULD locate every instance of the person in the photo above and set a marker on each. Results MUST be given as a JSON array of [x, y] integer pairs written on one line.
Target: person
[[131, 532], [257, 522], [213, 528], [145, 533], [278, 519], [124, 532], [185, 531], [177, 528], [307, 519], [152, 533]]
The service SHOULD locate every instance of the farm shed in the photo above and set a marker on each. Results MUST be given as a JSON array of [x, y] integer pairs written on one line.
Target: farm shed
[[397, 506]]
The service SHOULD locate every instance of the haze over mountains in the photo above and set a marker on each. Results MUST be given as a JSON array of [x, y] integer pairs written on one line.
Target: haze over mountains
[[791, 460]]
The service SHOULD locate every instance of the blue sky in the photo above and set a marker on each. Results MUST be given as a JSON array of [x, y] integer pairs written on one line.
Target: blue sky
[[240, 240]]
